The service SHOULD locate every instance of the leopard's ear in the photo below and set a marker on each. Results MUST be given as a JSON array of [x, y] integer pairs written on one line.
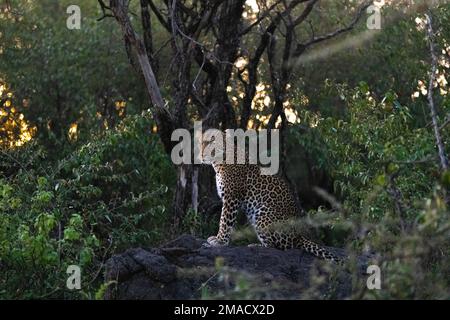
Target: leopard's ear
[[212, 146], [212, 136]]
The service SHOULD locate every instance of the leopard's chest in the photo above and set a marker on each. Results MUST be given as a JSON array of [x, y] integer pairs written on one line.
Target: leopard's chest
[[220, 186], [230, 185]]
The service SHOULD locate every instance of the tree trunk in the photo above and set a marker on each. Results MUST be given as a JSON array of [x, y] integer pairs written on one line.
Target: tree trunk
[[183, 193], [195, 190]]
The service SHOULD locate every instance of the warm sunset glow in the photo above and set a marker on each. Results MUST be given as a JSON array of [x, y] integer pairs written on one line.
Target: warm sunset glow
[[73, 131], [15, 130]]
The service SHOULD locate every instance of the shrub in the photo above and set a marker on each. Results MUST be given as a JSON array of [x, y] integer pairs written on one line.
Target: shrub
[[111, 193], [393, 197]]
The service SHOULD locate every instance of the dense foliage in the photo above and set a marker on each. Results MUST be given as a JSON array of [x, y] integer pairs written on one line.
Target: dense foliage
[[108, 195], [394, 196]]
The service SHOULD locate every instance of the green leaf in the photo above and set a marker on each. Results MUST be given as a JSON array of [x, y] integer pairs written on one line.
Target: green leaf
[[445, 179], [381, 180], [70, 234], [86, 255]]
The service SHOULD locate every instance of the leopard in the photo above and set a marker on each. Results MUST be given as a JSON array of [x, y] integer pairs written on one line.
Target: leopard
[[267, 201]]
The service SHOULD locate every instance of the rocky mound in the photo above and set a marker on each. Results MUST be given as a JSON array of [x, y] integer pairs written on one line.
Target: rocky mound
[[185, 269]]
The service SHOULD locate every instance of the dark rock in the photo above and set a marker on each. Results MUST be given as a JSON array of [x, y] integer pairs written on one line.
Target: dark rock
[[184, 269]]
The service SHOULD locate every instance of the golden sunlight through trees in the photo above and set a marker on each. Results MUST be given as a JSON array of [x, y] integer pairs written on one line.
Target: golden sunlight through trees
[[15, 131], [73, 131], [441, 72]]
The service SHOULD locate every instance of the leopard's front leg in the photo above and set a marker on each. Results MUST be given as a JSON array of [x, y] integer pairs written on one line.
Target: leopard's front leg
[[227, 221]]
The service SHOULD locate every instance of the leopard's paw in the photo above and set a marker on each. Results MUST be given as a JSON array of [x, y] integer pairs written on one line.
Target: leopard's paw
[[213, 241]]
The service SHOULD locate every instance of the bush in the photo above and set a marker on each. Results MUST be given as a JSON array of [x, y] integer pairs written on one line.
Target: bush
[[392, 194], [111, 193]]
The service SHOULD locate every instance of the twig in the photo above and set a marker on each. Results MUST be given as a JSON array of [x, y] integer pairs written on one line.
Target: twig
[[420, 161], [441, 151], [208, 280], [446, 122], [15, 160], [162, 47], [159, 16], [301, 47], [104, 7], [331, 200], [102, 264], [262, 17], [396, 195]]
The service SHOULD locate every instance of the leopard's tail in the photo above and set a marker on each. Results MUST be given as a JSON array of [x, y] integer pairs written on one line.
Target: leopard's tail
[[319, 251]]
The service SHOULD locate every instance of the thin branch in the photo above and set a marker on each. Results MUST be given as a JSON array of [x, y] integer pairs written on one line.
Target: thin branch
[[104, 7], [397, 198], [425, 160], [198, 73], [301, 47], [252, 67], [446, 122], [441, 151], [331, 200], [159, 16], [261, 18], [162, 47], [305, 12]]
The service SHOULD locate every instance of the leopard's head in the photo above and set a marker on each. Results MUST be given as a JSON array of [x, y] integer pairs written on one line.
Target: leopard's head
[[218, 147], [212, 147]]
